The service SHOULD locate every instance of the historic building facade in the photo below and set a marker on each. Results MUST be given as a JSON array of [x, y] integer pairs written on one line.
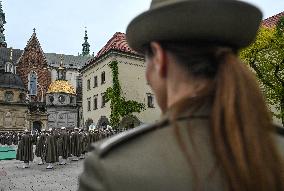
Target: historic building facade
[[97, 77], [61, 102], [36, 71], [13, 106]]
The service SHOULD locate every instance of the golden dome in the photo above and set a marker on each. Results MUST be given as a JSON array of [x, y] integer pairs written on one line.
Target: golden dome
[[61, 86]]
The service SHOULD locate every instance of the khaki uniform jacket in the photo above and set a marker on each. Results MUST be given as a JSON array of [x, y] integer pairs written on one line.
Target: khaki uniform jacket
[[150, 158]]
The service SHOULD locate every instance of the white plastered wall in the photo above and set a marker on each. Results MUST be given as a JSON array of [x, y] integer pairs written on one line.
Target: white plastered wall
[[133, 83]]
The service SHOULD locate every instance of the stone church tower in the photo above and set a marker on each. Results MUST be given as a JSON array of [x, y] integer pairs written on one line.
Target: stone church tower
[[61, 102]]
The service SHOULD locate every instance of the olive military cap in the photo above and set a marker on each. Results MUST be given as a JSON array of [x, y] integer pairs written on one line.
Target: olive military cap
[[225, 22]]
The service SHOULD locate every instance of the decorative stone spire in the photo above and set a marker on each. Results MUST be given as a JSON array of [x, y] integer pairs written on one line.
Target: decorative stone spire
[[61, 73], [86, 45], [11, 54], [1, 9], [2, 22]]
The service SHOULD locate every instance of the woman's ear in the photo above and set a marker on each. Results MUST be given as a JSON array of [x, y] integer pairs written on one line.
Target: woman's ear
[[159, 59]]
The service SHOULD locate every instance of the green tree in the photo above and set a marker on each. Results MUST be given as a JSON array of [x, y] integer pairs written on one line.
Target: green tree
[[266, 57], [120, 107], [88, 123]]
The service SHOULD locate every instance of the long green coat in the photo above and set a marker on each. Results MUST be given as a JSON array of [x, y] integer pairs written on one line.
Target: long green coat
[[15, 139], [40, 146], [75, 141], [51, 149], [9, 139], [83, 143], [63, 145], [34, 139], [70, 146], [25, 149], [19, 149]]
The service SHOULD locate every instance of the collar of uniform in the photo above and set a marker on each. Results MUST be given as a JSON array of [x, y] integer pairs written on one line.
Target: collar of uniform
[[194, 107]]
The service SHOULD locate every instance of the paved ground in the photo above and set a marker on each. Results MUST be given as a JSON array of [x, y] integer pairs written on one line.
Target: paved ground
[[38, 178]]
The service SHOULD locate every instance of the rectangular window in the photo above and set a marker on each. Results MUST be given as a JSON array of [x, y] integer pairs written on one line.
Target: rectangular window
[[88, 84], [103, 77], [103, 100], [95, 102], [95, 81], [89, 104], [79, 82], [150, 100]]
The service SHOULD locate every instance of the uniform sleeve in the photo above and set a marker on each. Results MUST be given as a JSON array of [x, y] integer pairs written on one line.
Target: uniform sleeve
[[92, 177]]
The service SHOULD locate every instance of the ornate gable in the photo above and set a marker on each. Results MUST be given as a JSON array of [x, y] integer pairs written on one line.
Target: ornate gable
[[33, 60]]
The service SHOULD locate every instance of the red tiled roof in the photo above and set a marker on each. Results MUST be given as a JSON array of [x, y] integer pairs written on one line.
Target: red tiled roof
[[272, 21], [117, 42]]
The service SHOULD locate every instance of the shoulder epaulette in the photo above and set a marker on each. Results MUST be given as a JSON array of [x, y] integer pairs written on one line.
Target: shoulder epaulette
[[104, 147]]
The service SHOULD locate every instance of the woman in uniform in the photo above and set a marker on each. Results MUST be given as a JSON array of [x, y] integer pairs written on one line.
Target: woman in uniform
[[216, 132]]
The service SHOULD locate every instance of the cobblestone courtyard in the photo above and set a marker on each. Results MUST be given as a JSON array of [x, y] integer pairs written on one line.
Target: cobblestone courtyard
[[38, 178]]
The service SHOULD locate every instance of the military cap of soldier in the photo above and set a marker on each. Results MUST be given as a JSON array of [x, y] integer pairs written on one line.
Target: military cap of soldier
[[216, 132]]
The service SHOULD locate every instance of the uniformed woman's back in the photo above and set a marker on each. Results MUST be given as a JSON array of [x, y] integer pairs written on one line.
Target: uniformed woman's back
[[240, 125], [216, 133]]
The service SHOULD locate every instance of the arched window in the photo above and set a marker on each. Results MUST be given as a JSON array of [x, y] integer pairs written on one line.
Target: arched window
[[33, 83], [9, 67]]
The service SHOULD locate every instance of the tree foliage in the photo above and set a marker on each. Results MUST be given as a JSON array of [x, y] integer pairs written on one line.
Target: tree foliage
[[266, 57], [88, 123], [120, 107]]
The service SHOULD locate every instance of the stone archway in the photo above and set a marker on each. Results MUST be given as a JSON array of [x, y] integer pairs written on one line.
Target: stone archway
[[129, 122], [37, 126]]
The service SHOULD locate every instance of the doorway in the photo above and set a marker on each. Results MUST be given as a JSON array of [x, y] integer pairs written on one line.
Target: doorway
[[37, 125]]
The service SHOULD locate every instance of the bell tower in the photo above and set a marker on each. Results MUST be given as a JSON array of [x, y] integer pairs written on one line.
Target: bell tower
[[86, 45]]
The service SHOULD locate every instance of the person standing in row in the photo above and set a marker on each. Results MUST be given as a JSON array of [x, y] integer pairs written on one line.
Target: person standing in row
[[25, 149], [40, 147], [63, 150], [75, 144], [51, 155]]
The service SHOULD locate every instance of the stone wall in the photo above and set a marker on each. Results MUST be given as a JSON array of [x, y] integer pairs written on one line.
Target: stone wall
[[16, 97], [64, 117], [13, 117]]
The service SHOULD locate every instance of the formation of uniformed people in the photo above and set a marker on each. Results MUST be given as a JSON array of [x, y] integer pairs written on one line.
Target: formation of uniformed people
[[55, 145], [9, 138]]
